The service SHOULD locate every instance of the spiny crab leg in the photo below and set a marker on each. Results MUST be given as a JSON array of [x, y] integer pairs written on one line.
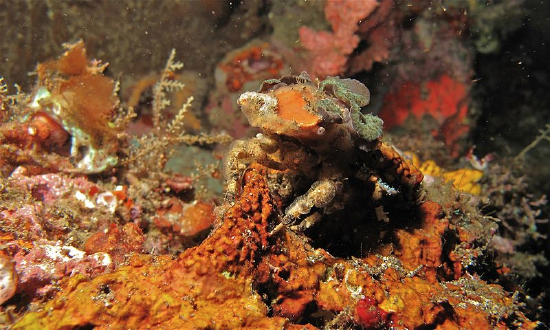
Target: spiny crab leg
[[320, 195]]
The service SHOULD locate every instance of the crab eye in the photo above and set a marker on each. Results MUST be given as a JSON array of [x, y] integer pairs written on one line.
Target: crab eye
[[320, 131]]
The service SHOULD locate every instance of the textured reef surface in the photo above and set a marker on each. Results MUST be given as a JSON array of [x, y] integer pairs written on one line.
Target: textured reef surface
[[239, 193]]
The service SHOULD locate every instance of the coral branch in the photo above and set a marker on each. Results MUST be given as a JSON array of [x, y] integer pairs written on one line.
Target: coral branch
[[544, 134]]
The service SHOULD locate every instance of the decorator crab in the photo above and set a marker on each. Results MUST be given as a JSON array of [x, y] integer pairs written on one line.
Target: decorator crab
[[324, 152]]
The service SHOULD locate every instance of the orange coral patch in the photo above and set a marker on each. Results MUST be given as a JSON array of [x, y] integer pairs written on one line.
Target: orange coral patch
[[197, 217], [117, 241], [441, 98], [292, 106], [445, 99]]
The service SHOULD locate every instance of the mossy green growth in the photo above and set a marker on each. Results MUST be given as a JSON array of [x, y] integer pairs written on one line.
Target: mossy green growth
[[355, 95], [368, 127], [330, 107]]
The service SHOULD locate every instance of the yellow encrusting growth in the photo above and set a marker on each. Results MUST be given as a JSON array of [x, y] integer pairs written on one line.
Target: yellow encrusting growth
[[464, 179]]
